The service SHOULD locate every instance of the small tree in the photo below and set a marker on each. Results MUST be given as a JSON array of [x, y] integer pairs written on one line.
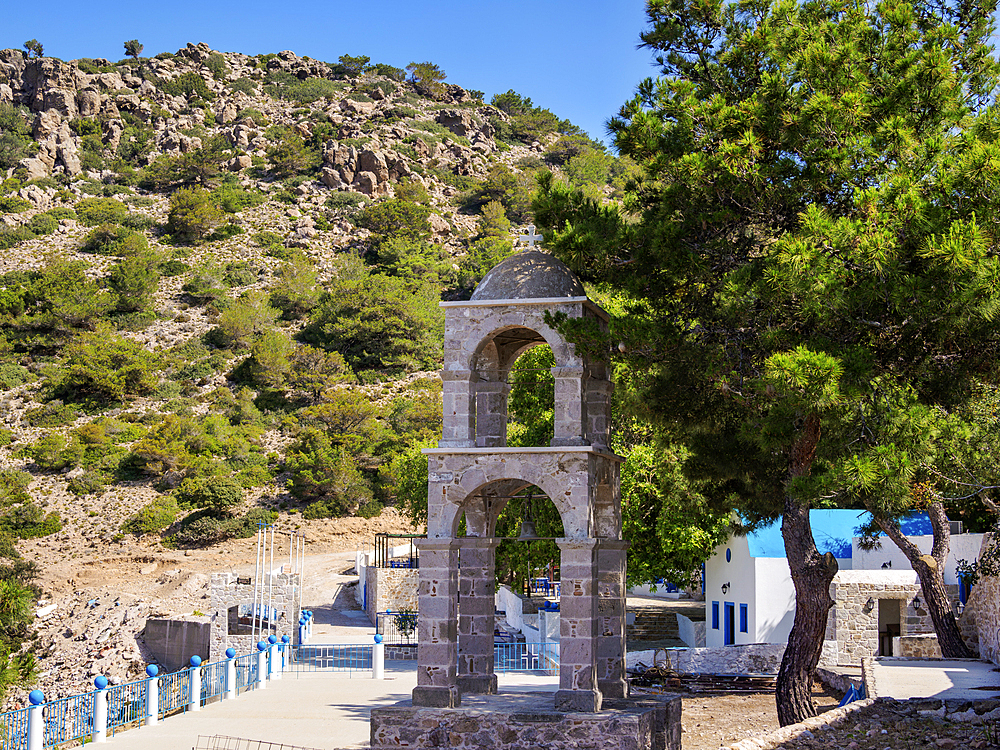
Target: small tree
[[192, 215], [133, 49], [427, 77], [34, 48], [352, 66]]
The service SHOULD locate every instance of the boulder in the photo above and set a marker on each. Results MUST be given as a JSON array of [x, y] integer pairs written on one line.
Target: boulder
[[110, 81], [365, 183], [331, 178], [225, 113], [439, 225], [88, 102], [6, 94], [239, 163], [35, 195], [374, 162], [111, 134], [35, 168], [46, 123], [458, 121]]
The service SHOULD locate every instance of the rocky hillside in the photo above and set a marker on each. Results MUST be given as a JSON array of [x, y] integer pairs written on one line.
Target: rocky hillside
[[218, 307]]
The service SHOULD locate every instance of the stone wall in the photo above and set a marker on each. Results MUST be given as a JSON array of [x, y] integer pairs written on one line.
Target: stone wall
[[852, 628], [983, 610], [391, 589], [229, 591], [924, 646], [754, 658], [174, 642], [650, 724]]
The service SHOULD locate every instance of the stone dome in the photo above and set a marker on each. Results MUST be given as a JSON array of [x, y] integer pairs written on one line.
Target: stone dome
[[531, 274]]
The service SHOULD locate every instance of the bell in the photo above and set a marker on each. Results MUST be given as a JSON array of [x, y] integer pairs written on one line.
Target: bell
[[527, 530]]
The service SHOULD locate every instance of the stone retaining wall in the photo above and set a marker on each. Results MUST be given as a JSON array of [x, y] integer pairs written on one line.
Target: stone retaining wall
[[753, 658], [392, 589], [227, 591], [983, 613], [924, 646]]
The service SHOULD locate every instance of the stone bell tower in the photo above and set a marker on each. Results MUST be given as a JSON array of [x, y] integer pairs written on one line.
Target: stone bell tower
[[473, 473]]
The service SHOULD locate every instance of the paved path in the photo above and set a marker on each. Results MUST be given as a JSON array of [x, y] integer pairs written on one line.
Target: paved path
[[934, 678], [312, 711]]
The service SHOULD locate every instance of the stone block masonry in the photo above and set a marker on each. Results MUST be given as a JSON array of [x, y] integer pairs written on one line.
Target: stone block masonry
[[516, 722], [227, 591], [391, 589]]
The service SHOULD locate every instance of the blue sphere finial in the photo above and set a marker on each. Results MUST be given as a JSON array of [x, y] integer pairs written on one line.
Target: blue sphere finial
[[37, 697], [195, 661], [261, 645], [378, 638], [152, 670], [230, 653], [272, 639], [100, 682], [285, 639]]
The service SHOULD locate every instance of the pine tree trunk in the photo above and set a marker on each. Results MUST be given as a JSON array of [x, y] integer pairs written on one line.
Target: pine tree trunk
[[811, 574], [930, 571]]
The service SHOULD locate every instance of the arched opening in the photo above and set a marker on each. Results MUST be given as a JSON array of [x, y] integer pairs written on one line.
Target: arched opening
[[502, 510], [514, 390], [531, 401]]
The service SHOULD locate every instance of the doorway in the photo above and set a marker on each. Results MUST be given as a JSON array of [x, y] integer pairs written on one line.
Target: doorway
[[888, 624], [729, 634]]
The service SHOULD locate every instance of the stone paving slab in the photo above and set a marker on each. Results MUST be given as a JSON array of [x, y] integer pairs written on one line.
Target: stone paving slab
[[947, 679], [313, 709]]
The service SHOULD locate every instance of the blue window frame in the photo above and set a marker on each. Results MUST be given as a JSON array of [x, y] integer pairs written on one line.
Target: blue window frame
[[743, 618], [715, 615]]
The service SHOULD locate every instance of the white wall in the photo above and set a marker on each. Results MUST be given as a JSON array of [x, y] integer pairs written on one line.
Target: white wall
[[963, 547], [507, 601], [739, 574]]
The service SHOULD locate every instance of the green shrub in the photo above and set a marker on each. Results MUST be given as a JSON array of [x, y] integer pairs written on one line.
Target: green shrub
[[206, 285], [371, 509], [217, 66], [153, 517], [11, 236], [13, 375], [204, 529], [239, 273], [12, 204], [266, 239], [110, 239], [232, 197], [6, 437], [13, 486], [52, 414], [133, 282], [87, 483], [189, 85], [290, 88], [192, 215], [15, 136], [174, 267], [325, 475], [61, 212], [216, 494], [243, 86], [345, 200], [101, 366], [94, 211], [28, 521], [51, 453]]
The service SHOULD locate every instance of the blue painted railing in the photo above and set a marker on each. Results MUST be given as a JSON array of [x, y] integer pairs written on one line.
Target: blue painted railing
[[174, 692], [68, 719], [526, 657], [126, 704], [246, 673], [14, 730], [213, 681], [330, 658]]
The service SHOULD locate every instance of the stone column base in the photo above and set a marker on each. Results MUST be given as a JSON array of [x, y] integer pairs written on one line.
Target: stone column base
[[570, 701], [477, 684], [614, 689], [432, 696]]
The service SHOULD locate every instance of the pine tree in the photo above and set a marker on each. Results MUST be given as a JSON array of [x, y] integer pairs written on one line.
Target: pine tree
[[807, 252]]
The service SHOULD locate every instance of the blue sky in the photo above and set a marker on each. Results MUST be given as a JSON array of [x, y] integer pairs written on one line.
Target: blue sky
[[576, 58]]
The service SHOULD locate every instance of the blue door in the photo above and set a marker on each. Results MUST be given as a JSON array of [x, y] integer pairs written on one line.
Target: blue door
[[729, 632]]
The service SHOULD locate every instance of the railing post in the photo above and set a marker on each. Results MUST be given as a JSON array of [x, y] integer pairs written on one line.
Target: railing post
[[378, 659], [100, 733], [152, 696], [273, 666], [286, 654], [230, 673], [261, 665], [302, 630], [36, 722], [194, 677], [309, 623]]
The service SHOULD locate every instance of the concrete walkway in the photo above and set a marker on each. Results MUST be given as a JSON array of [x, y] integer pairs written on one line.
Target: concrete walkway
[[314, 710], [933, 678]]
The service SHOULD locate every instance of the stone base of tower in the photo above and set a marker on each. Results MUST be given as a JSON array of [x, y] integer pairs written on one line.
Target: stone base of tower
[[519, 720]]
